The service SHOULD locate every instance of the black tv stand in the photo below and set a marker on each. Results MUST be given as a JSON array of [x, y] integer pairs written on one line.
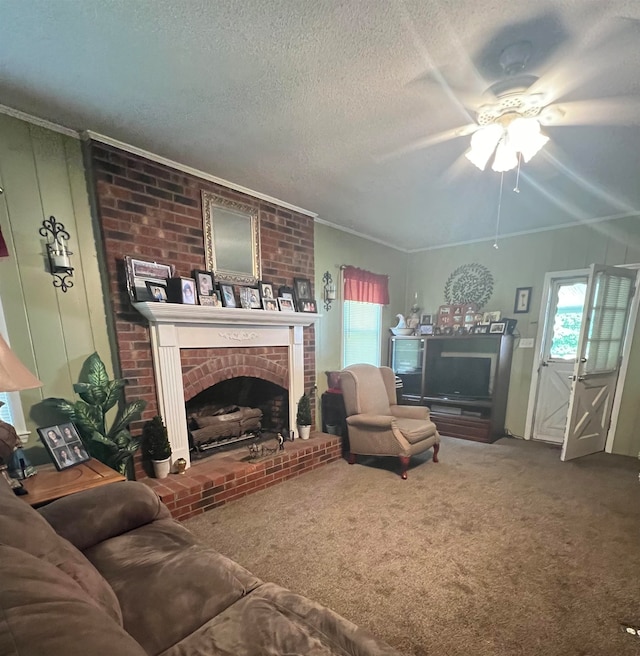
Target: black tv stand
[[480, 419]]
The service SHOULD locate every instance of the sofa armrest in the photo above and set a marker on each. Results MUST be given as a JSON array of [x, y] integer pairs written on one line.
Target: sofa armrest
[[90, 517], [370, 421], [410, 411]]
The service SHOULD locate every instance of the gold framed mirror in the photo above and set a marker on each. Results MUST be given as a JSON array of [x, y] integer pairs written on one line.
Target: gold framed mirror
[[231, 240]]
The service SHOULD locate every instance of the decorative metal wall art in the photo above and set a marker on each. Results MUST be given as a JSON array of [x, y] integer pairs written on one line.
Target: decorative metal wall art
[[469, 283]]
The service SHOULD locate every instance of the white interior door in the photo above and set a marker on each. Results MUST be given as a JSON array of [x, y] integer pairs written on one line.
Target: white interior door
[[558, 355], [608, 302]]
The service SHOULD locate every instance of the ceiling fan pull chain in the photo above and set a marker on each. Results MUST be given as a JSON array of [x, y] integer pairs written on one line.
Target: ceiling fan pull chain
[[517, 187], [495, 241]]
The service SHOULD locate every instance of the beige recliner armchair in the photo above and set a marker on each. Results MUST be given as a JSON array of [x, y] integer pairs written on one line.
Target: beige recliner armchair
[[377, 425]]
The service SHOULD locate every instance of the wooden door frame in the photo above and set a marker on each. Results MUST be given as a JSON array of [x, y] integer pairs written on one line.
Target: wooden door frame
[[538, 352]]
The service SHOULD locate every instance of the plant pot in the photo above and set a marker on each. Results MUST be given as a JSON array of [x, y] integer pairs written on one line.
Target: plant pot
[[161, 468], [304, 432]]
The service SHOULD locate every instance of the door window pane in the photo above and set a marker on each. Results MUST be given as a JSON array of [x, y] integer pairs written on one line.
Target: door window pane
[[567, 321], [606, 331]]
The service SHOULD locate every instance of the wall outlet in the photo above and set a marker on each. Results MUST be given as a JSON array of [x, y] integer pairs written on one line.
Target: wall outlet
[[526, 342]]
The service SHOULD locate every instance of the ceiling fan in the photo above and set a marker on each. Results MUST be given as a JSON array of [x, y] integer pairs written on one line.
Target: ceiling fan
[[509, 116]]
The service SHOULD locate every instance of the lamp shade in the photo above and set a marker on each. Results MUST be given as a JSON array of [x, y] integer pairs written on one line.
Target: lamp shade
[[14, 376]]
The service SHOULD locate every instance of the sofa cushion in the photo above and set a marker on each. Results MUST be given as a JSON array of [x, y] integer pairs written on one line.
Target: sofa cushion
[[21, 527], [44, 611], [92, 516], [167, 584], [272, 620]]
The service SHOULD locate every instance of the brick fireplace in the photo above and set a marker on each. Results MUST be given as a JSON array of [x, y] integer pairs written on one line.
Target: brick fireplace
[[153, 211], [177, 329]]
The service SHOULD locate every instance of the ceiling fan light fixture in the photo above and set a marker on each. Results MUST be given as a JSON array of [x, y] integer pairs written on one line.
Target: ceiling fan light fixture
[[525, 137], [506, 157], [483, 143]]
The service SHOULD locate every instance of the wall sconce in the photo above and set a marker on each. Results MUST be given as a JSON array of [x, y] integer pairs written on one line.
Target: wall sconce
[[58, 253], [329, 290]]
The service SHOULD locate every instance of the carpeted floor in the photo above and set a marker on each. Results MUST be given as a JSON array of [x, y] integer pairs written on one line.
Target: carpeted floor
[[498, 549]]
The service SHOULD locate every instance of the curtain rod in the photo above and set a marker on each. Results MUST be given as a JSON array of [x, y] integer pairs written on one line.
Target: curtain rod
[[344, 266]]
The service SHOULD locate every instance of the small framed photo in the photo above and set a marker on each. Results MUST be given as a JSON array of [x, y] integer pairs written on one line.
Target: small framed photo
[[286, 292], [250, 298], [497, 327], [489, 317], [286, 304], [302, 288], [158, 291], [139, 272], [227, 295], [426, 319], [481, 329], [270, 304], [204, 282], [426, 328], [64, 445], [266, 290], [182, 290], [212, 301], [523, 300], [307, 305]]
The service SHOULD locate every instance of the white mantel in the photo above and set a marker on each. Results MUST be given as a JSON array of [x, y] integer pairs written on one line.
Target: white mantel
[[174, 326]]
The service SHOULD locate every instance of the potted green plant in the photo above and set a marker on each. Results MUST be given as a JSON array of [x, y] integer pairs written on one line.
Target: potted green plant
[[156, 446], [303, 418], [114, 446]]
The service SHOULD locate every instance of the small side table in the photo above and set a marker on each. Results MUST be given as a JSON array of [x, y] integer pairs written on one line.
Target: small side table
[[50, 484]]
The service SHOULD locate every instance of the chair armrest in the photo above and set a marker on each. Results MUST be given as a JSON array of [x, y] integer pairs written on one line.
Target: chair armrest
[[89, 517], [370, 421], [410, 411]]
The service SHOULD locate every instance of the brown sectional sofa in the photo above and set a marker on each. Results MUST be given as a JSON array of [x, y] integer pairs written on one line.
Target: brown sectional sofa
[[107, 571]]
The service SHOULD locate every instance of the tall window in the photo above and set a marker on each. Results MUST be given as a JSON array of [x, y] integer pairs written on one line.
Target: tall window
[[364, 295], [361, 333]]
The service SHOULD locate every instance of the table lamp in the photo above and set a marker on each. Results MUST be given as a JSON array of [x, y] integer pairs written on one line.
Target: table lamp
[[14, 377]]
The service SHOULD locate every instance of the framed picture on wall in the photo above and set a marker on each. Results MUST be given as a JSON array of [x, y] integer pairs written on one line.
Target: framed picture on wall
[[522, 302]]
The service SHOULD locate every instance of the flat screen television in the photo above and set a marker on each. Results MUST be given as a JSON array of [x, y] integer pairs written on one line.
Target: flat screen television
[[459, 377]]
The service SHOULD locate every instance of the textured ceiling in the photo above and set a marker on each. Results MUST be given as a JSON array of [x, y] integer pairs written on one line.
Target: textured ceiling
[[305, 100]]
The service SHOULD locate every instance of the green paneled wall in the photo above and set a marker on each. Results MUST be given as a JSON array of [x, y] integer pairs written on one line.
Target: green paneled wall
[[334, 248], [42, 174], [522, 262]]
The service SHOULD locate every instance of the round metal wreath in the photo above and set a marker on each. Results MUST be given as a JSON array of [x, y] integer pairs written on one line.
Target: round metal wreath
[[469, 283]]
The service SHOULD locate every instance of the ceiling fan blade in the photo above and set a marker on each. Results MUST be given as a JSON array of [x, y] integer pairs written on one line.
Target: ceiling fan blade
[[601, 50], [604, 111], [427, 142]]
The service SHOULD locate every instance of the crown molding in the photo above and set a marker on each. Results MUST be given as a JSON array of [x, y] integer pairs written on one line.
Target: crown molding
[[522, 233], [40, 122], [134, 150], [350, 231]]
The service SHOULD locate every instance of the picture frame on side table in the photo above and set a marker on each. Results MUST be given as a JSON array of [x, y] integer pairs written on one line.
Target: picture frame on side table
[[481, 329], [426, 319], [138, 272], [426, 329], [64, 445], [497, 327], [522, 301]]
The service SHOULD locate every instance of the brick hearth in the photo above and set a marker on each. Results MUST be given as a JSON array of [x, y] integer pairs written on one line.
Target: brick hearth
[[227, 476]]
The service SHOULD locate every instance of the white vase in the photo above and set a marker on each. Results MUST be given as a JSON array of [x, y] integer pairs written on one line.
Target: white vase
[[161, 468], [304, 432]]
